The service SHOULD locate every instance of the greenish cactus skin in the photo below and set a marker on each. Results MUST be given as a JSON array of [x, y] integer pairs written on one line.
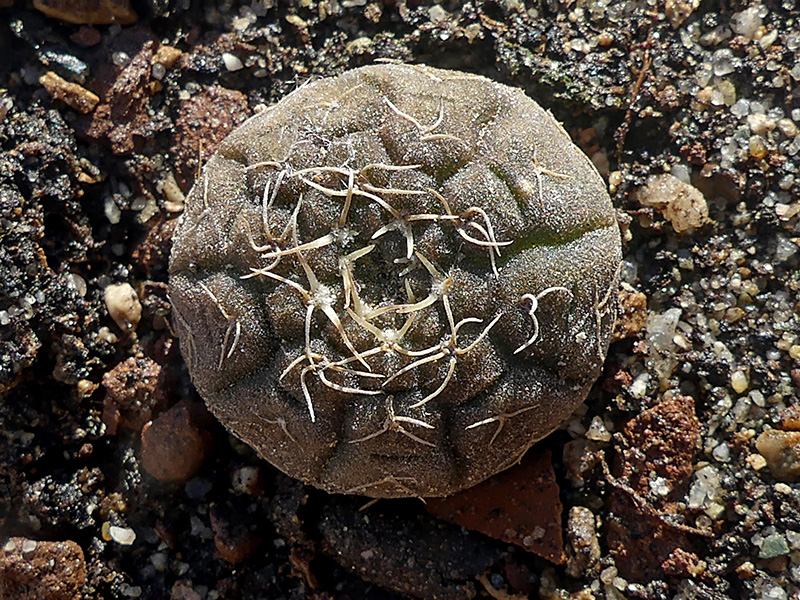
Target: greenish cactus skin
[[394, 281]]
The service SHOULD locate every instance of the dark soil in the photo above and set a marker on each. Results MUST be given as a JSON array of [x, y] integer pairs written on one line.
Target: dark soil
[[102, 132]]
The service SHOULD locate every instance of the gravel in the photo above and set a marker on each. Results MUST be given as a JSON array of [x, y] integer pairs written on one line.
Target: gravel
[[668, 446]]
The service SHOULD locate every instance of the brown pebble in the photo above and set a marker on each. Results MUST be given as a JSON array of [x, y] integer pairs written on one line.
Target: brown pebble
[[174, 447], [167, 56], [134, 392], [85, 452], [233, 541], [746, 570], [88, 12], [632, 315], [86, 36], [683, 563], [678, 11], [72, 94], [790, 419], [38, 570], [776, 564], [781, 449]]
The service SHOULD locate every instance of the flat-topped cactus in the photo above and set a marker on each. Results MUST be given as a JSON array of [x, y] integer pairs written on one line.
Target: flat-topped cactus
[[396, 280]]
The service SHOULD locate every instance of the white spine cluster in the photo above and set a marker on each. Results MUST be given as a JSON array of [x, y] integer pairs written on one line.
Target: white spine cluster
[[350, 187]]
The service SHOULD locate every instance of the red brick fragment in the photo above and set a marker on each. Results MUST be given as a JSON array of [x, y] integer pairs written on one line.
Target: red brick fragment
[[659, 445], [520, 505]]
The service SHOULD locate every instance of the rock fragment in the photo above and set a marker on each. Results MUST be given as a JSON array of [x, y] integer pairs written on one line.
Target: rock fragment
[[74, 95], [174, 445], [41, 570], [656, 453], [583, 548], [123, 305], [682, 204], [88, 12], [781, 449], [520, 506], [134, 392]]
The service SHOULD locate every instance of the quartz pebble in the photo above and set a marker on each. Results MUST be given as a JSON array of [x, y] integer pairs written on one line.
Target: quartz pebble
[[781, 449], [739, 381], [123, 305], [682, 204], [232, 62], [747, 22], [705, 488], [125, 536], [597, 431]]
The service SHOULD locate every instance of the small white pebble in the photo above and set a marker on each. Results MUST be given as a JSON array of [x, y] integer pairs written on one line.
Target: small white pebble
[[721, 452], [739, 381], [638, 388], [123, 305], [597, 431], [437, 14], [158, 71], [607, 575], [122, 535], [756, 462], [660, 486], [245, 480], [714, 510], [793, 537], [747, 22], [760, 124], [232, 62]]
